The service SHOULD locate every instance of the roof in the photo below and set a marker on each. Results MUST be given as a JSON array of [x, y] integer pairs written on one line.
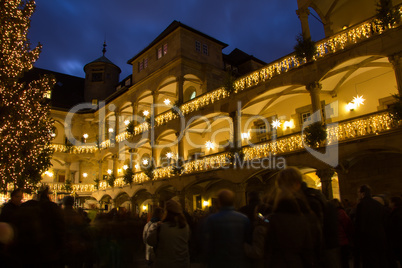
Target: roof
[[173, 26], [237, 57], [102, 59], [66, 93]]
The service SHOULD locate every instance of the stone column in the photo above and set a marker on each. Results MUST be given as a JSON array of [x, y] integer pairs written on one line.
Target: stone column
[[236, 135], [133, 206], [314, 89], [396, 61], [117, 123], [182, 198], [240, 192], [114, 158], [325, 176], [303, 13], [180, 146], [179, 89], [79, 171], [100, 175], [68, 171]]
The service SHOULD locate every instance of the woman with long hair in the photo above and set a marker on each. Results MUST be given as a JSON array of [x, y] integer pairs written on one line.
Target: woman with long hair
[[170, 238]]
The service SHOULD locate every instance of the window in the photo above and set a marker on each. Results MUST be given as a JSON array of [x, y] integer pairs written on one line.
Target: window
[[142, 64], [193, 95], [159, 53], [304, 117], [97, 77], [48, 94], [162, 51], [197, 46], [205, 49], [262, 128]]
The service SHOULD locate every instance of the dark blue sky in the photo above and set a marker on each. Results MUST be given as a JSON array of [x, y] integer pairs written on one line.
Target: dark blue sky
[[72, 31]]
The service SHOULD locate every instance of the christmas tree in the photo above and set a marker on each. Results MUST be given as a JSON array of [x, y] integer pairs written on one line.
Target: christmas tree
[[25, 123]]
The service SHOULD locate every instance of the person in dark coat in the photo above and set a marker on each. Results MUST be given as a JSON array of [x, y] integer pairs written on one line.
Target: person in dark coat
[[225, 233], [345, 233], [371, 238], [11, 206], [40, 233]]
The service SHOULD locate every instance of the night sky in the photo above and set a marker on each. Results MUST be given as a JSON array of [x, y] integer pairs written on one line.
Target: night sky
[[72, 31]]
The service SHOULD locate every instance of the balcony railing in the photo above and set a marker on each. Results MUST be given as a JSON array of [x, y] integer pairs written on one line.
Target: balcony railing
[[346, 130]]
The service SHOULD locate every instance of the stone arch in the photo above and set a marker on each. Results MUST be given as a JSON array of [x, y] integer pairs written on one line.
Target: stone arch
[[192, 83]]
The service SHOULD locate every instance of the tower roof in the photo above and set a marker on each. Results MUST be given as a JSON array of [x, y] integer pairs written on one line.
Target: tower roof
[[103, 59]]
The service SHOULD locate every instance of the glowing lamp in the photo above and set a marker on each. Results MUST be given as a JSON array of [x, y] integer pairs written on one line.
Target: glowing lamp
[[358, 100], [209, 145], [245, 135], [144, 207], [126, 122], [111, 130], [350, 106], [85, 136], [125, 167], [85, 174], [205, 203], [166, 101], [109, 171], [276, 123], [145, 113]]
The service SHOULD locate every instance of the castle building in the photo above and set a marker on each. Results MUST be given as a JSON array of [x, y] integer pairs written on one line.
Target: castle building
[[191, 120]]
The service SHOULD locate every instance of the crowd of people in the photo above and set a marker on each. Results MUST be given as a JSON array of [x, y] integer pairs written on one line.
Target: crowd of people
[[293, 226]]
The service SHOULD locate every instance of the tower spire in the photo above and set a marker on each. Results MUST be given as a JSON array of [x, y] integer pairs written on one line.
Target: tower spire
[[104, 48]]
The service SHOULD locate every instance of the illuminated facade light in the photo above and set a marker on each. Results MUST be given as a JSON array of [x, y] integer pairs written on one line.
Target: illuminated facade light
[[111, 130], [166, 101], [358, 100], [126, 122], [137, 166], [85, 136], [144, 207], [85, 174], [245, 135], [276, 123], [125, 167], [289, 124], [49, 173], [209, 145], [169, 155], [145, 113], [351, 106], [145, 162], [109, 171], [205, 203], [119, 170]]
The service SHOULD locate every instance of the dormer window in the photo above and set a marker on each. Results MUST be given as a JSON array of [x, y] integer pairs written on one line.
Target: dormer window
[[205, 49], [162, 51], [198, 46], [142, 64]]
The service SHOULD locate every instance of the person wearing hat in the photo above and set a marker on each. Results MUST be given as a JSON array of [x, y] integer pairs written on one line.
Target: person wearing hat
[[170, 238]]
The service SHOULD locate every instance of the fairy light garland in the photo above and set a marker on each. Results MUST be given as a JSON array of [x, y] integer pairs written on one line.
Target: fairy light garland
[[25, 128]]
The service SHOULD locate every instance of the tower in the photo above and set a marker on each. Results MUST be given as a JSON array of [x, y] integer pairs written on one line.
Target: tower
[[101, 77]]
